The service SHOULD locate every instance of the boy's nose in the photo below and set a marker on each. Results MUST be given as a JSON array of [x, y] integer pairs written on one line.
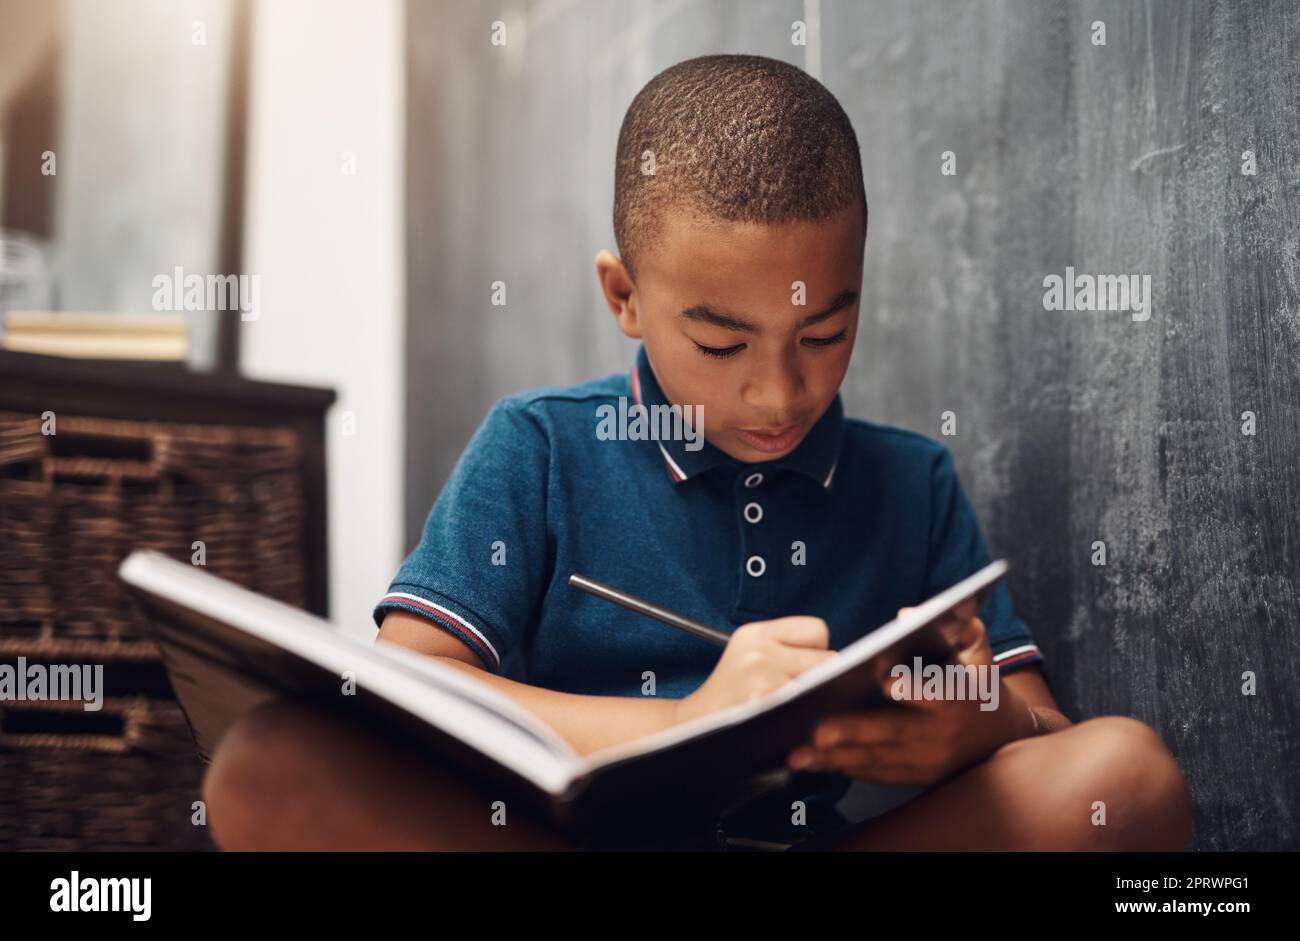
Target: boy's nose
[[774, 393]]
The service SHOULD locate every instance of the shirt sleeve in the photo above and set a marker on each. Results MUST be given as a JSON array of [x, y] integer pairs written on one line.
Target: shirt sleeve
[[957, 550], [482, 564]]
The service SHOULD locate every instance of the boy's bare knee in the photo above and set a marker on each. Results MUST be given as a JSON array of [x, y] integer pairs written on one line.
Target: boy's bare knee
[[254, 785], [1132, 762]]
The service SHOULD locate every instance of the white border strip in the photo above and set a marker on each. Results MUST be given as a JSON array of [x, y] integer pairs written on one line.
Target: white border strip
[[451, 614], [671, 462], [1014, 651]]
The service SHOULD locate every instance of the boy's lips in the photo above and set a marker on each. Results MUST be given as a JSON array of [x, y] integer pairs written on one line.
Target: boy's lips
[[771, 440]]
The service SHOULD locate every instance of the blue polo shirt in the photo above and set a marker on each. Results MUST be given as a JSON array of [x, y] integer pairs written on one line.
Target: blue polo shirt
[[858, 521]]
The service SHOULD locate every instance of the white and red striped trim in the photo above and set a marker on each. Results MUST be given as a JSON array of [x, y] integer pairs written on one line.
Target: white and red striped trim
[[1016, 655], [677, 473], [450, 618]]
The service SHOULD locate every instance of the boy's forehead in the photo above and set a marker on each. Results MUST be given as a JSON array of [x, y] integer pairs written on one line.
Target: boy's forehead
[[696, 255]]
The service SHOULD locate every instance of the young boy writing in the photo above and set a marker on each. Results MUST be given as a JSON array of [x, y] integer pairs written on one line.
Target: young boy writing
[[741, 221]]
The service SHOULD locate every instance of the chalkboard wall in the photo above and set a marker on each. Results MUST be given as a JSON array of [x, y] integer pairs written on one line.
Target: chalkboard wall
[[1165, 444]]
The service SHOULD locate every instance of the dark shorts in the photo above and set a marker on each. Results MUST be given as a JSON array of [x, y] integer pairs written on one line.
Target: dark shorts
[[726, 834], [763, 825]]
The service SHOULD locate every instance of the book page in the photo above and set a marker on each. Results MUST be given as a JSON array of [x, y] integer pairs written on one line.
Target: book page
[[442, 696]]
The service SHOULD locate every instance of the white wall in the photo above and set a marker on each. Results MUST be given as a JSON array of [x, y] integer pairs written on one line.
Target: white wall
[[140, 152], [328, 78]]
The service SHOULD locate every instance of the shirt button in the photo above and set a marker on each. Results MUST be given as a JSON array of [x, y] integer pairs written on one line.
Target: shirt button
[[753, 512], [755, 565], [753, 480]]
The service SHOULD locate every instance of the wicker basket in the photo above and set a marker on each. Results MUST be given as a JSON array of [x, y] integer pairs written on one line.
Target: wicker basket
[[72, 505]]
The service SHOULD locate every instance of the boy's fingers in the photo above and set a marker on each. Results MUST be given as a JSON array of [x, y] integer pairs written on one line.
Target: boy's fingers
[[874, 726], [949, 630], [799, 631], [963, 634], [796, 660], [841, 758], [962, 613], [960, 634], [966, 610], [904, 685], [974, 645]]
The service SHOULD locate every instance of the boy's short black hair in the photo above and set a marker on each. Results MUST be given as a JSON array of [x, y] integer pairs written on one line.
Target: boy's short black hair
[[735, 138]]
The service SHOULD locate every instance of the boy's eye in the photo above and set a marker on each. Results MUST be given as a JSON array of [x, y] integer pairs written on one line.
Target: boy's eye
[[721, 352], [827, 341]]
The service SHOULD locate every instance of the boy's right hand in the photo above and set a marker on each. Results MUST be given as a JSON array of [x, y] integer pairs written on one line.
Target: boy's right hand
[[761, 657]]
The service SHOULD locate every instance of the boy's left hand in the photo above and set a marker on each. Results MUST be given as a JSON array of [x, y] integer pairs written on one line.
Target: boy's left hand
[[916, 743]]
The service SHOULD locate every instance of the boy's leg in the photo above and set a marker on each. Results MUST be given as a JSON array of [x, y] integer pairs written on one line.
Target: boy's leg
[[1039, 793], [290, 776]]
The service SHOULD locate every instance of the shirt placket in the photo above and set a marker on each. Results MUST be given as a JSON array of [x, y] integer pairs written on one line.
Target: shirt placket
[[754, 496]]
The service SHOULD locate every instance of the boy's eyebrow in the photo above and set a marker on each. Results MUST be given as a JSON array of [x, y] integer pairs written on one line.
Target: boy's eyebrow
[[703, 313]]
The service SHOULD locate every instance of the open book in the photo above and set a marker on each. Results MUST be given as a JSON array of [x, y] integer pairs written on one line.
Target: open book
[[227, 649]]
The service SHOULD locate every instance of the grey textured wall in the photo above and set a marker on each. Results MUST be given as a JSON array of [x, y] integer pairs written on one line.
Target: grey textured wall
[[1073, 427]]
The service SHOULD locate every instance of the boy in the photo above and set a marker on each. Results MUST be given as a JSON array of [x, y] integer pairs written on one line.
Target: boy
[[741, 220]]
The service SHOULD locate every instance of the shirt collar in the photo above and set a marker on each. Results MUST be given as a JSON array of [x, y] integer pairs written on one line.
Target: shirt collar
[[816, 456]]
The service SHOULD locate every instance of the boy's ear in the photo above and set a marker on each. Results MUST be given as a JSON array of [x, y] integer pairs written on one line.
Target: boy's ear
[[619, 291]]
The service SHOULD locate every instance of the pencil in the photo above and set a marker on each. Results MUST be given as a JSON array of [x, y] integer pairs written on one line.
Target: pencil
[[633, 603]]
